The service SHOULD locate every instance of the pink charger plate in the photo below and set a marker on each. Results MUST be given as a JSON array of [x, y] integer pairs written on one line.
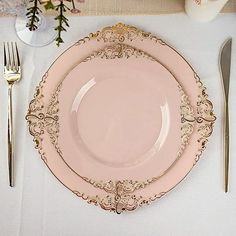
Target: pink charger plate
[[119, 196]]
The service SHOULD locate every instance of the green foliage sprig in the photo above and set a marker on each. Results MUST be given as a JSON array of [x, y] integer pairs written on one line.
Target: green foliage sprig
[[61, 8], [32, 15]]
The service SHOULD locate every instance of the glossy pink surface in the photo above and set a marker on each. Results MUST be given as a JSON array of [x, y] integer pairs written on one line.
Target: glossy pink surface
[[118, 119]]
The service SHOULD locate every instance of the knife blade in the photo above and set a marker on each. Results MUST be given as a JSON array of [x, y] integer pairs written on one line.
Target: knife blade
[[225, 64]]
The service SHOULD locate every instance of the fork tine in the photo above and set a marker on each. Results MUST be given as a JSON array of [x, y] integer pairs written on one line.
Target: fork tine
[[9, 57], [14, 66], [4, 53], [17, 55]]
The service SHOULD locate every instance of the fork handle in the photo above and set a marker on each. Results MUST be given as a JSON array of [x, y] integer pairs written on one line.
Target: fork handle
[[10, 138], [226, 145]]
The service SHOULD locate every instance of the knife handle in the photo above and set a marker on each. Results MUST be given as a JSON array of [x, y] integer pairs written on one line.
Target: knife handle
[[226, 146]]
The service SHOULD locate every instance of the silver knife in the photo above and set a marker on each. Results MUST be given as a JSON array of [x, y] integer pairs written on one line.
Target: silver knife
[[225, 64]]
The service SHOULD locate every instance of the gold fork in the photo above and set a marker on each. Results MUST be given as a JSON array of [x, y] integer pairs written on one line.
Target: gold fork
[[12, 74]]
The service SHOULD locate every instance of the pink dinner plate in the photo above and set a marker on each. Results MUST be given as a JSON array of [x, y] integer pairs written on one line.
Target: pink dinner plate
[[116, 194], [119, 111]]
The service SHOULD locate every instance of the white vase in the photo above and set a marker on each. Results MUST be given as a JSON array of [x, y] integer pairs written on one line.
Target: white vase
[[203, 10]]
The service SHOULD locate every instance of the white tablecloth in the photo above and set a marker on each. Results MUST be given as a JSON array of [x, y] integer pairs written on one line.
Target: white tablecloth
[[40, 205]]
